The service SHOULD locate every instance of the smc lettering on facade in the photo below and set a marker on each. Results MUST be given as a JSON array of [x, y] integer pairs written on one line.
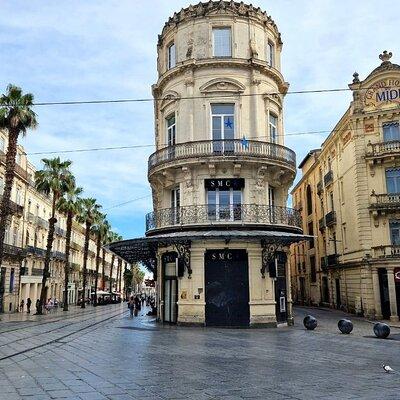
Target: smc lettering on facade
[[384, 91], [221, 256]]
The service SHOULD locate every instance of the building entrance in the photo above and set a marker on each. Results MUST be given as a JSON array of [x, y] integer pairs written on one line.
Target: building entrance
[[384, 292], [227, 288], [170, 287]]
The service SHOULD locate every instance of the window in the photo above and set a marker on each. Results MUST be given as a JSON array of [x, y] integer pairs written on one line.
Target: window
[[393, 180], [175, 205], [331, 200], [313, 271], [273, 128], [344, 237], [311, 233], [271, 196], [223, 127], [171, 130], [18, 197], [2, 144], [270, 54], [395, 232], [222, 42], [171, 62], [309, 200], [391, 131], [12, 276]]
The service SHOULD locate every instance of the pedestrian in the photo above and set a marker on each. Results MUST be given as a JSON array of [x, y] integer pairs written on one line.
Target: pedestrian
[[137, 305], [131, 306], [37, 306], [28, 305], [21, 306]]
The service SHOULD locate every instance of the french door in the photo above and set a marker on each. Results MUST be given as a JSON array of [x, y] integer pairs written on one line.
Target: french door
[[171, 135], [224, 205], [223, 127]]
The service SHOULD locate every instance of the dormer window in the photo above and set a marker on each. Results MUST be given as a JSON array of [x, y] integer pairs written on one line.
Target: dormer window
[[171, 55], [271, 54], [222, 42]]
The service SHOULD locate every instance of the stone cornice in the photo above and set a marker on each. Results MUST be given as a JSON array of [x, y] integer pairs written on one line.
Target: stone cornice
[[192, 64], [217, 8]]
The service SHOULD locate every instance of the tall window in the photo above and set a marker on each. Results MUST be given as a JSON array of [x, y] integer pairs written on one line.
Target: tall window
[[271, 54], [313, 271], [171, 62], [393, 180], [273, 128], [171, 130], [222, 42], [12, 277], [311, 233], [271, 196], [309, 200], [395, 232], [332, 202], [391, 131], [175, 205], [223, 126]]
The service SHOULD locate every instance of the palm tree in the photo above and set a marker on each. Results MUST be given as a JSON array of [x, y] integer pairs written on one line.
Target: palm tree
[[16, 117], [98, 229], [54, 179], [114, 237], [89, 209], [69, 204]]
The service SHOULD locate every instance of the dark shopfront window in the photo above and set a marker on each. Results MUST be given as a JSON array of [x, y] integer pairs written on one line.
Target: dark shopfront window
[[224, 199]]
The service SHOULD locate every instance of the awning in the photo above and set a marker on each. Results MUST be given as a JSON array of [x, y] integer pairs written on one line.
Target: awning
[[144, 250]]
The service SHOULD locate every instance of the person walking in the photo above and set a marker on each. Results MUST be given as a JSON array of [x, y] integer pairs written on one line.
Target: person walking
[[21, 306], [137, 305], [28, 305], [131, 306], [37, 305]]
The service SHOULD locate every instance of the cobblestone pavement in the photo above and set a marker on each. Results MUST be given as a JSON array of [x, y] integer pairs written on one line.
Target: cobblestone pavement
[[103, 354]]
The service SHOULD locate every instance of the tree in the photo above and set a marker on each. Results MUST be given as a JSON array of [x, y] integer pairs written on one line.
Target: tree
[[87, 215], [16, 117], [98, 228], [69, 204], [54, 179], [113, 237], [138, 275]]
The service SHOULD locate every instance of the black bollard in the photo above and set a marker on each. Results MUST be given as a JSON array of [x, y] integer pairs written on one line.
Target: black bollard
[[345, 326], [381, 330], [310, 322]]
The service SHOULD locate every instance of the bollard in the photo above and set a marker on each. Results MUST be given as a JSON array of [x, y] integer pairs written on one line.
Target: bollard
[[310, 322], [345, 326], [381, 330]]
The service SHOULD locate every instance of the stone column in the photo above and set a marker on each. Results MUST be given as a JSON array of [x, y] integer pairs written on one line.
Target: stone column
[[377, 295], [392, 296]]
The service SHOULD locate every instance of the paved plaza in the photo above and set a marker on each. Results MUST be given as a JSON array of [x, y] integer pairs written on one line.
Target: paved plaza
[[103, 354]]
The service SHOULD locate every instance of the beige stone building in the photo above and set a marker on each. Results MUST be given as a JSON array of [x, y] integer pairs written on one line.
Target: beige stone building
[[349, 197], [25, 245], [218, 237]]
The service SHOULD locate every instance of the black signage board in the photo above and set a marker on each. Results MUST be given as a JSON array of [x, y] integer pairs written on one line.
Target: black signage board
[[169, 257], [224, 183]]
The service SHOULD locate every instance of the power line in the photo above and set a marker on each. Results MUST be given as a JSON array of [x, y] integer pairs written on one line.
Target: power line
[[127, 202]]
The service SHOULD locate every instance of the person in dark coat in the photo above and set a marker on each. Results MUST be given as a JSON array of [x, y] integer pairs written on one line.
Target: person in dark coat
[[28, 305]]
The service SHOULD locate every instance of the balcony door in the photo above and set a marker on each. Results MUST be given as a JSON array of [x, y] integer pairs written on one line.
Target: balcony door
[[391, 132], [395, 232], [175, 205], [223, 127], [171, 135], [393, 184]]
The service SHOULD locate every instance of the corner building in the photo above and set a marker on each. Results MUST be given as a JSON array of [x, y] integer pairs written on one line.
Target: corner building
[[349, 197], [218, 237]]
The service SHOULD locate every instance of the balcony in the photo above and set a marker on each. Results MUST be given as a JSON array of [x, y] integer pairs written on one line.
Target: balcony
[[250, 150], [13, 251], [389, 202], [34, 219], [330, 218], [15, 209], [37, 251], [76, 246], [74, 267], [388, 251], [235, 216], [59, 231], [22, 173], [382, 150], [321, 224], [320, 188], [37, 272], [328, 178], [329, 261], [58, 255]]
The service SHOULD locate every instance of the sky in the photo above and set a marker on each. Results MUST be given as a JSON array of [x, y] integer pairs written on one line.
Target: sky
[[106, 49]]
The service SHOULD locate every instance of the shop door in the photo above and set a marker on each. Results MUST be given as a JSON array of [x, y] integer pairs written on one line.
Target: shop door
[[280, 288], [338, 298], [384, 292], [302, 290], [170, 287], [227, 288]]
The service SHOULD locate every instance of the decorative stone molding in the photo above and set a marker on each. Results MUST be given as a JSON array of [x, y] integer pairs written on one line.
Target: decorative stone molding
[[169, 98], [217, 8], [222, 85]]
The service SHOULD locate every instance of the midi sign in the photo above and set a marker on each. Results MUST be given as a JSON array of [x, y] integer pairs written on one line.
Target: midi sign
[[383, 92]]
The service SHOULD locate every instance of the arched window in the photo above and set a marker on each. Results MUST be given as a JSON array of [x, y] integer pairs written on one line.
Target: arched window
[[309, 200]]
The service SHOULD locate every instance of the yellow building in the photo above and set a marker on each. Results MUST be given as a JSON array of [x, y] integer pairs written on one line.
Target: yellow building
[[349, 197], [26, 240]]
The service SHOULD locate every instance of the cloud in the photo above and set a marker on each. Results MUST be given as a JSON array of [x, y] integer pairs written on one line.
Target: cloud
[[106, 49]]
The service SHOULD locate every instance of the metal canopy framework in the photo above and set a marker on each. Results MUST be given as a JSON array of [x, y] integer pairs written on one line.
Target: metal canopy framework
[[144, 250]]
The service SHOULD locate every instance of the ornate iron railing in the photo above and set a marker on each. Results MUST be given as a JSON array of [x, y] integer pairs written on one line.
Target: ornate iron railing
[[224, 148], [12, 250], [36, 250], [330, 218], [18, 169], [213, 215], [320, 187], [383, 148], [385, 200], [59, 231], [58, 255], [388, 251], [15, 208], [321, 224]]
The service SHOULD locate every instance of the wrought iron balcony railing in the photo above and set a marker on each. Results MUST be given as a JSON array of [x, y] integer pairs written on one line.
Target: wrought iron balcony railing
[[34, 219], [383, 149], [244, 214], [14, 251], [320, 187], [385, 201], [321, 224], [328, 178], [330, 218], [22, 173], [15, 208], [59, 231], [388, 251], [58, 255], [36, 251], [328, 261], [224, 148]]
